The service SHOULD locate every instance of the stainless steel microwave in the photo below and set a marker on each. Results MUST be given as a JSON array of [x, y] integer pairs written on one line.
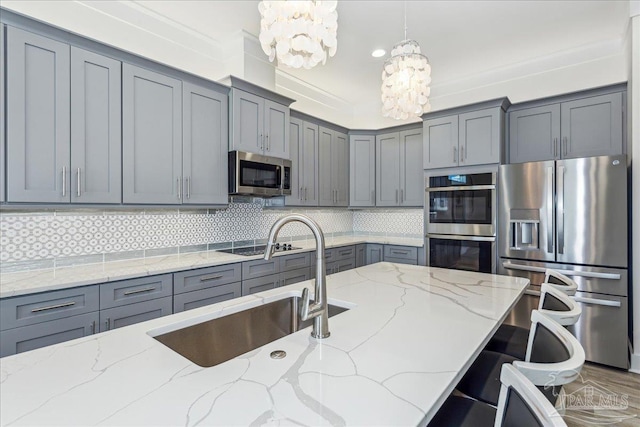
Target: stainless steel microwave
[[253, 174]]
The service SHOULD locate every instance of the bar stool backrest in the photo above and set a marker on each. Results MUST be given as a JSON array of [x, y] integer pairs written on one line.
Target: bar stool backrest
[[560, 281], [558, 306]]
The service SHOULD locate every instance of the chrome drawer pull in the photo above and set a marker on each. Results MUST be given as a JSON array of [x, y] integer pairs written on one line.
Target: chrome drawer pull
[[400, 252], [51, 307], [212, 277], [139, 291]]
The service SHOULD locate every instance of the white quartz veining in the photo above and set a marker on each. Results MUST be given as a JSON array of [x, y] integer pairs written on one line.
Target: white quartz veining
[[391, 360], [26, 282]]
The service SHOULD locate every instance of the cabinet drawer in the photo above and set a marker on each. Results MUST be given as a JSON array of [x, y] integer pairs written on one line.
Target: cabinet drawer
[[403, 253], [338, 266], [19, 340], [294, 276], [195, 299], [47, 306], [123, 292], [260, 284], [202, 278], [295, 261], [130, 314], [401, 261], [343, 253], [259, 268]]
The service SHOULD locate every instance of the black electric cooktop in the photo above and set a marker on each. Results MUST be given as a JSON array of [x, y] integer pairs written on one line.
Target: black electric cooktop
[[259, 249]]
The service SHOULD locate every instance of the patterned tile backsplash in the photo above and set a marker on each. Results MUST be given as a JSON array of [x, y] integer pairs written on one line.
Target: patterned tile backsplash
[[45, 239]]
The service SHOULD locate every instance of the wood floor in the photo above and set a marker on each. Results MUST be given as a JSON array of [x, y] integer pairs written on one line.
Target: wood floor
[[602, 396]]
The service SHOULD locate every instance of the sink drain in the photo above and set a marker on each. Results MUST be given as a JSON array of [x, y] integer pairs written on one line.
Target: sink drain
[[278, 354]]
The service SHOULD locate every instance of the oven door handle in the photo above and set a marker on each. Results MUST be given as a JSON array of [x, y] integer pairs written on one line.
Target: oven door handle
[[457, 237], [589, 274], [462, 188]]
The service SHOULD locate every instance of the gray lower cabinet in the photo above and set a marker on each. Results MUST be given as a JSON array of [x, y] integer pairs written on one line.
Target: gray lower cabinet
[[202, 278], [259, 268], [260, 284], [401, 254], [361, 255], [96, 136], [333, 170], [38, 118], [303, 146], [19, 340], [399, 173], [375, 253], [362, 170], [295, 261], [131, 291], [204, 146], [341, 265], [190, 300], [580, 126], [130, 314], [294, 276], [151, 137]]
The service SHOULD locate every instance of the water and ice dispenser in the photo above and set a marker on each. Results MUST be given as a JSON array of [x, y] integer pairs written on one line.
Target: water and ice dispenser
[[524, 229]]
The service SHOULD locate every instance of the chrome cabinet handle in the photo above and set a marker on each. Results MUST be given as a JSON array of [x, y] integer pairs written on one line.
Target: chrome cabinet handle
[[93, 327], [455, 155], [462, 154], [107, 324], [396, 196], [555, 147], [188, 187], [52, 307], [64, 181], [139, 291], [211, 277], [179, 181], [305, 194], [268, 144], [78, 189], [261, 142], [401, 196], [560, 202], [400, 252], [301, 194], [565, 145]]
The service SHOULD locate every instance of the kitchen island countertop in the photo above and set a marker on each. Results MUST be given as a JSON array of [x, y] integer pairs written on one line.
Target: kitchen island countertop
[[392, 358]]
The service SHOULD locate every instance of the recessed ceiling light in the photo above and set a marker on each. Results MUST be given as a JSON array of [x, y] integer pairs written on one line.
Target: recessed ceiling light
[[378, 53]]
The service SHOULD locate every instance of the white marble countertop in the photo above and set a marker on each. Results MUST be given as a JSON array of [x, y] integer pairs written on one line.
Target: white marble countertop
[[391, 359], [32, 281]]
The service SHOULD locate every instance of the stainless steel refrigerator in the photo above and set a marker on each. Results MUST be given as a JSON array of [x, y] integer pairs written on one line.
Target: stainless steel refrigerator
[[571, 215]]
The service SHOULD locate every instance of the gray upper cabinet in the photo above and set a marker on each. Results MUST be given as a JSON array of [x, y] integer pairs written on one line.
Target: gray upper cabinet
[[204, 145], [577, 126], [152, 137], [362, 170], [473, 136], [303, 146], [38, 118], [259, 125], [534, 134], [333, 171], [2, 116], [440, 142], [96, 139], [399, 169]]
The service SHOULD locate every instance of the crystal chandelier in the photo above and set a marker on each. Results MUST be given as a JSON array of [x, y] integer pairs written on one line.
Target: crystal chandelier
[[405, 80], [298, 33]]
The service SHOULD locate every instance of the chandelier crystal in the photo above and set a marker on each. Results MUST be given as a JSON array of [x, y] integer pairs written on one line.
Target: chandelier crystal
[[298, 33], [405, 81]]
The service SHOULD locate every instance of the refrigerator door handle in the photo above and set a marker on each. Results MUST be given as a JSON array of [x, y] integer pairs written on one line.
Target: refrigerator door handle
[[550, 209], [561, 170], [596, 301], [588, 274]]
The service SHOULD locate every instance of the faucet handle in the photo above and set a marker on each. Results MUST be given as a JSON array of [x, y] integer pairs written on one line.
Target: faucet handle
[[304, 310]]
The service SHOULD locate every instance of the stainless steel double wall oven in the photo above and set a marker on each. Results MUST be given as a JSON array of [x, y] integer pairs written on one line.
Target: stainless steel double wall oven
[[461, 221]]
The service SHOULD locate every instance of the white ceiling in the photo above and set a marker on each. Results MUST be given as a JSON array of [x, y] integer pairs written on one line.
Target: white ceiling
[[463, 39]]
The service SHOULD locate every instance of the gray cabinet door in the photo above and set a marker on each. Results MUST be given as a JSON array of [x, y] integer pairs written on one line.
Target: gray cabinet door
[[592, 126], [295, 261], [2, 116], [38, 118], [295, 276], [440, 142], [96, 136], [248, 122], [297, 170], [276, 129], [361, 255], [119, 317], [310, 163], [131, 291], [388, 169], [195, 299], [326, 195], [259, 268], [480, 137], [151, 137], [204, 146], [362, 170], [202, 278], [411, 173], [375, 253], [401, 254], [19, 340], [340, 168], [534, 134], [260, 284]]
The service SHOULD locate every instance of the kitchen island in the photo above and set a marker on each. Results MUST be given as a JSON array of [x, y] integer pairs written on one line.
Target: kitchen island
[[392, 358]]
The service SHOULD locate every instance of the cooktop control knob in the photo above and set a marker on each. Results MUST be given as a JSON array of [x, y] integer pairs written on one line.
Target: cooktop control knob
[[277, 246]]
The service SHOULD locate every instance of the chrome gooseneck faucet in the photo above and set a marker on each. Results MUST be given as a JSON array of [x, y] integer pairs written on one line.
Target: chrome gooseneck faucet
[[318, 311]]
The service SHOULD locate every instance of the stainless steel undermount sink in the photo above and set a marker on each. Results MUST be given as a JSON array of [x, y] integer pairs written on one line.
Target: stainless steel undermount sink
[[218, 340]]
